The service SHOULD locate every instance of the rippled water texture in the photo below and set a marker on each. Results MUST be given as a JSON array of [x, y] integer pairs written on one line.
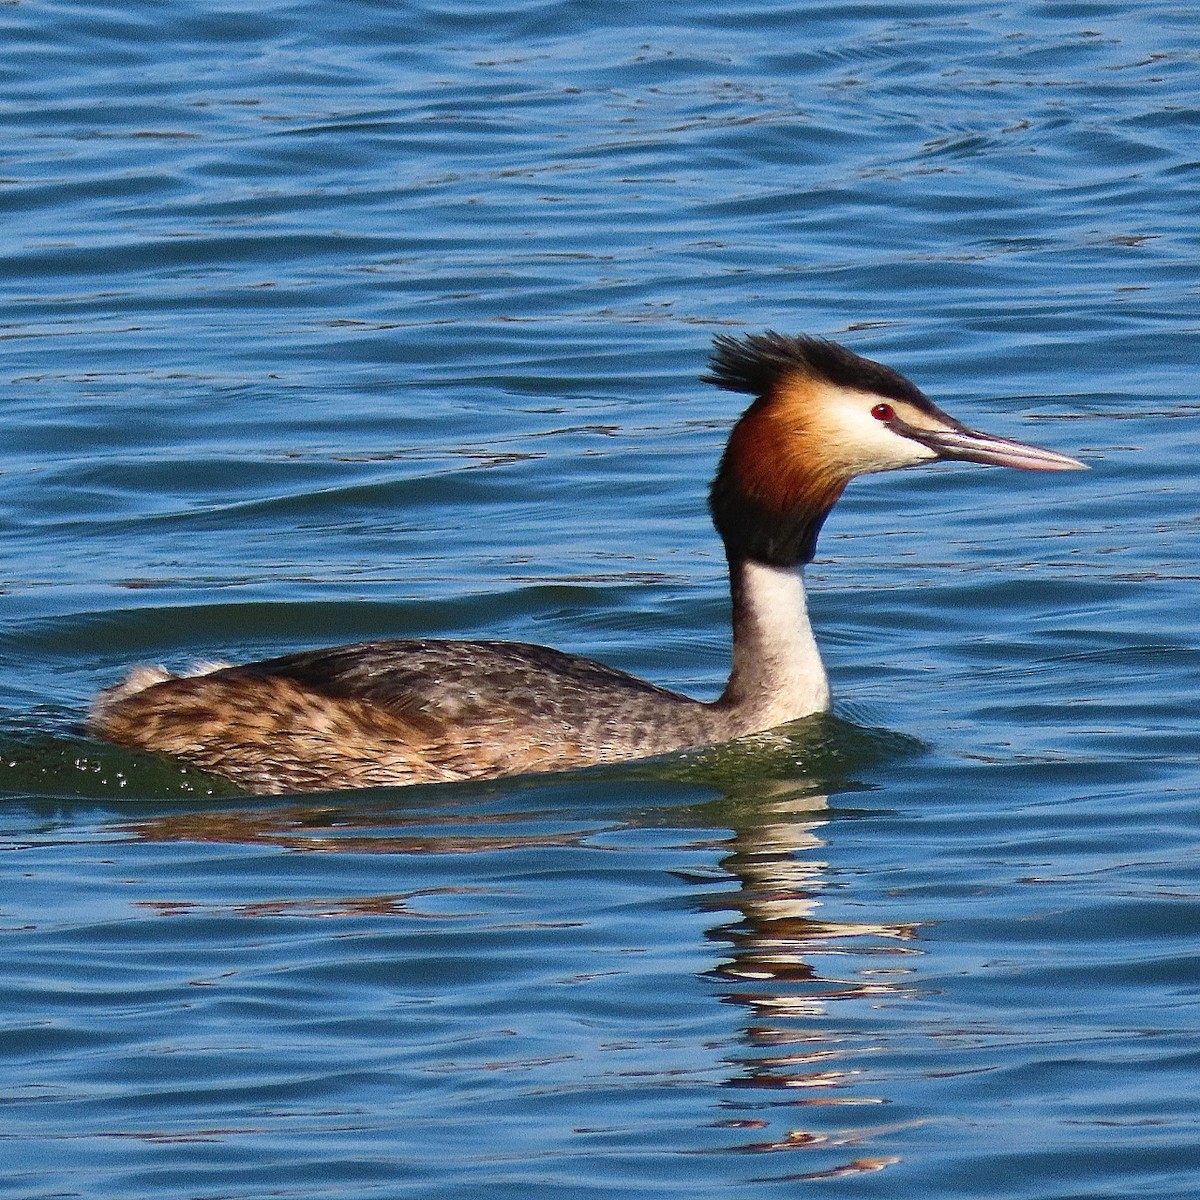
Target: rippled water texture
[[333, 321]]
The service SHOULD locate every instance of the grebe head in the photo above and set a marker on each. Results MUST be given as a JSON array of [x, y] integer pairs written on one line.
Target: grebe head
[[822, 415]]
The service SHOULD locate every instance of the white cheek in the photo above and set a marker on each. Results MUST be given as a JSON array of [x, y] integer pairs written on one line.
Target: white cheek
[[864, 444]]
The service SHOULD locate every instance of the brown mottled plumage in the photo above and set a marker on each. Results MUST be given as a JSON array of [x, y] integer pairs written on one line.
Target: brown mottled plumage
[[401, 712], [396, 712]]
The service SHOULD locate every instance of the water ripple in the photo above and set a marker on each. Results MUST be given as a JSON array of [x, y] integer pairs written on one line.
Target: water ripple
[[328, 323]]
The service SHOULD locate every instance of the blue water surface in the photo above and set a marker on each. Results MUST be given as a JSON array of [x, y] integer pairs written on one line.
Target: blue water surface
[[324, 322]]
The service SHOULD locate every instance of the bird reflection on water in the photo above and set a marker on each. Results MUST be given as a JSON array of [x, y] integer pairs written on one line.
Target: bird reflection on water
[[753, 860], [792, 1043]]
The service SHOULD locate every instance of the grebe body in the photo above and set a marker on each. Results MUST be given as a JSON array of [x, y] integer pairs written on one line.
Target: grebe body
[[388, 713]]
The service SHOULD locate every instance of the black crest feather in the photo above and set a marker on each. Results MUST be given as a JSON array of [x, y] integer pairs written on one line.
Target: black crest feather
[[757, 362]]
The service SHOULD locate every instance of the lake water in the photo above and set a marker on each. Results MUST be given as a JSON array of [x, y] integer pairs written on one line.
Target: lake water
[[324, 322]]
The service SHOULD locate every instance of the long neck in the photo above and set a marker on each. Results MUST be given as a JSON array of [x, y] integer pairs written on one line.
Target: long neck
[[777, 673]]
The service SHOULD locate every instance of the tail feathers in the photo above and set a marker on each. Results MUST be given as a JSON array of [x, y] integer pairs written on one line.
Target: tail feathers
[[138, 680]]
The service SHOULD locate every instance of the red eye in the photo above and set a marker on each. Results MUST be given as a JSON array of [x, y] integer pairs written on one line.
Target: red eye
[[883, 412]]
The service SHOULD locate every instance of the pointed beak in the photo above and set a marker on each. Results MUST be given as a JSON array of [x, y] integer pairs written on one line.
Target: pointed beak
[[968, 445]]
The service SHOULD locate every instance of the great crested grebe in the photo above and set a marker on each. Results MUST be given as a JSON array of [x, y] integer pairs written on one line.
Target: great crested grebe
[[399, 712]]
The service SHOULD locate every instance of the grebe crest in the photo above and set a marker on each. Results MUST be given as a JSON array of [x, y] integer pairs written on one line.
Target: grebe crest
[[419, 711]]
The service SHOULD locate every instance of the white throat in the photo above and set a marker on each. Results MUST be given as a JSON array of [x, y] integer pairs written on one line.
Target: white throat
[[777, 671]]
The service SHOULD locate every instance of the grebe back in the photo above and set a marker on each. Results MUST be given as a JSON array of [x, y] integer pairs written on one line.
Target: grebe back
[[387, 713]]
